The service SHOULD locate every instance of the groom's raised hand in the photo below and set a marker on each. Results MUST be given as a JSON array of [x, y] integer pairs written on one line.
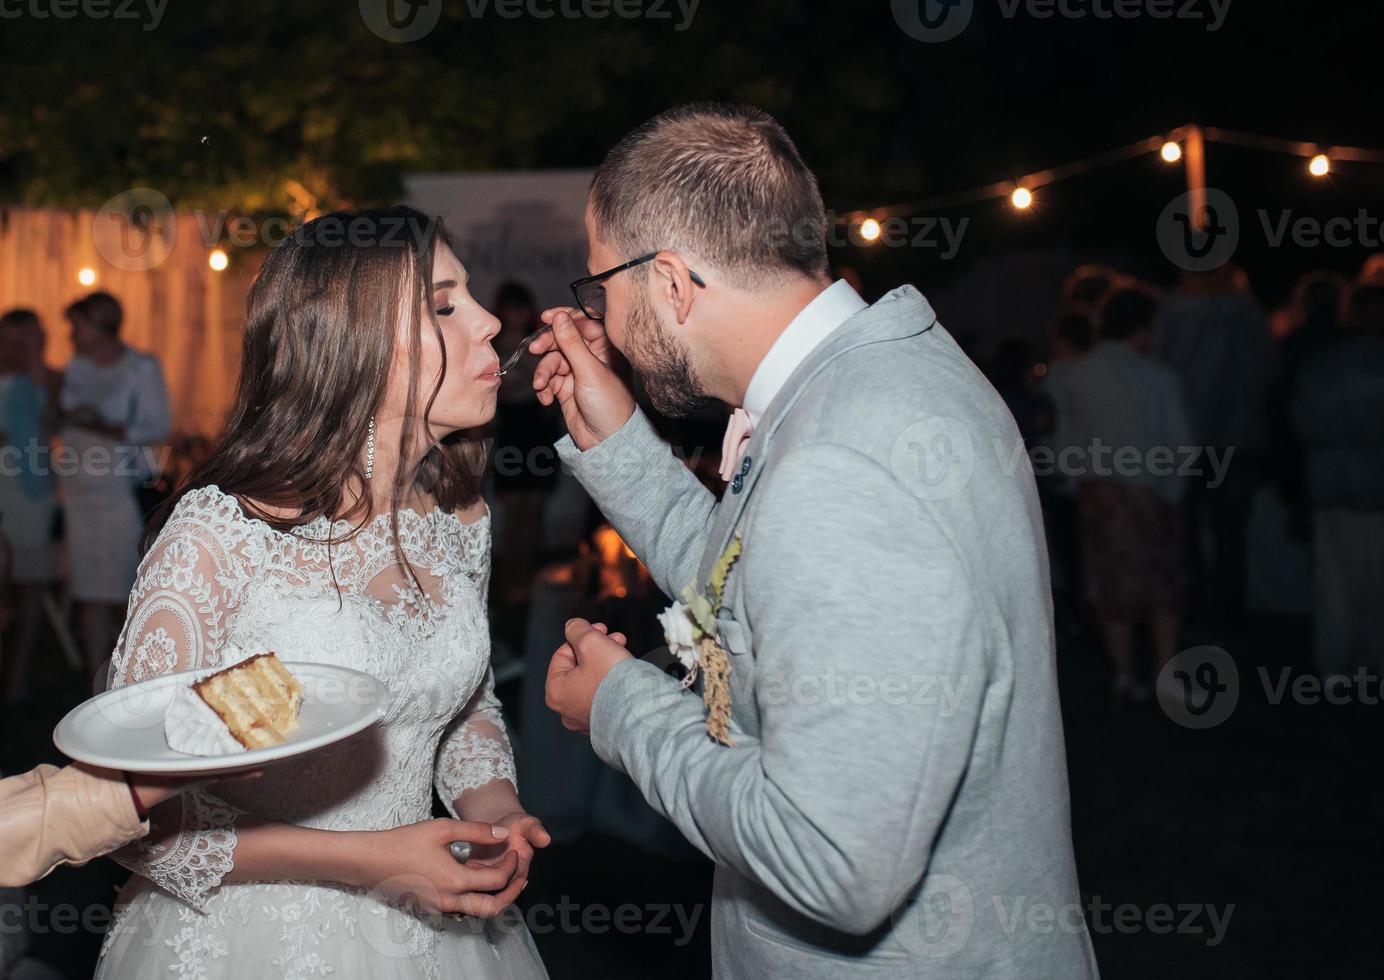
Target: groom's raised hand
[[577, 669], [577, 372]]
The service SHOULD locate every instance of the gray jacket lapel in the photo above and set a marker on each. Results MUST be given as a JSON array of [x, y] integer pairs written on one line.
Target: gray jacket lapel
[[901, 313]]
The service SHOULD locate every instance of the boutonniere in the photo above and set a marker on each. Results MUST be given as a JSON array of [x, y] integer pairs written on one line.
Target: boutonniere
[[689, 627]]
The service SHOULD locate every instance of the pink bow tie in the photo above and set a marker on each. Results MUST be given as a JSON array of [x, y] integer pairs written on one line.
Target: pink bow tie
[[738, 433]]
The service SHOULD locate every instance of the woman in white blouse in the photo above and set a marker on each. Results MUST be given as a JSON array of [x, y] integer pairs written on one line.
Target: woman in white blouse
[[114, 411], [339, 520]]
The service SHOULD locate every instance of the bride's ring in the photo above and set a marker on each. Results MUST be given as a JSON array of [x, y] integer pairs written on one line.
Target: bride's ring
[[459, 916], [460, 850]]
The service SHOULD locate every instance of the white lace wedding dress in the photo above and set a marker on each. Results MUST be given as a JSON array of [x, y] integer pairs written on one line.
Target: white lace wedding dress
[[216, 577]]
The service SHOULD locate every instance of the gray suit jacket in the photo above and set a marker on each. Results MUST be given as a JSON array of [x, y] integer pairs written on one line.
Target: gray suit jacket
[[896, 801]]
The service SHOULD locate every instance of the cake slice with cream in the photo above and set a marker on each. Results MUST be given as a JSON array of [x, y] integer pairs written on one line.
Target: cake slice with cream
[[252, 704]]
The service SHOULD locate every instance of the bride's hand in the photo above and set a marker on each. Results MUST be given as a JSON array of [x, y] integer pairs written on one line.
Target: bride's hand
[[525, 833], [412, 863]]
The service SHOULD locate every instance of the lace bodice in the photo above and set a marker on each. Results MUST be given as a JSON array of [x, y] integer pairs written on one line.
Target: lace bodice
[[216, 577]]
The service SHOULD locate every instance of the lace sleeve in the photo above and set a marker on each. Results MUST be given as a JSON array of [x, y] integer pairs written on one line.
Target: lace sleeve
[[187, 585], [475, 753]]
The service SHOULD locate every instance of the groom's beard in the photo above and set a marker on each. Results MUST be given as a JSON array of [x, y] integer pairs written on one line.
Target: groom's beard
[[661, 358]]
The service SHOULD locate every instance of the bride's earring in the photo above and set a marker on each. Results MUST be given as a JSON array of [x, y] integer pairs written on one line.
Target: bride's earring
[[370, 450]]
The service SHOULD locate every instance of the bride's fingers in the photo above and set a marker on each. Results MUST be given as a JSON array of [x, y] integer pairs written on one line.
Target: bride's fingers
[[487, 877], [620, 638], [487, 906], [470, 831]]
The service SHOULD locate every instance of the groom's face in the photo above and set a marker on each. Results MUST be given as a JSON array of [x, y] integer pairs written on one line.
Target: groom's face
[[636, 326]]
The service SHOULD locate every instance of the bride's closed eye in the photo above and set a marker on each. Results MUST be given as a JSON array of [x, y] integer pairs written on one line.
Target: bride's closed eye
[[447, 310]]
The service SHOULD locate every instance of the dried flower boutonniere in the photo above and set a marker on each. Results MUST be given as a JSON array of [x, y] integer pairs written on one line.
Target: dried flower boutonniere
[[690, 630]]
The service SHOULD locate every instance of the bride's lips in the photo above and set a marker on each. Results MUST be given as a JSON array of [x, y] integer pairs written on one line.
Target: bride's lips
[[489, 373]]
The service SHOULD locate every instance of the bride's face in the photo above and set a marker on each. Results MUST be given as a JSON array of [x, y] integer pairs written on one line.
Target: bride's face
[[469, 386]]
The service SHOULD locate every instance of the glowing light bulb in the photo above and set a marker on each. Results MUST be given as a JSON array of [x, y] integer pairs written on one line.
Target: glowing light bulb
[[1319, 166], [1022, 198], [86, 276], [218, 260], [1171, 151], [869, 230]]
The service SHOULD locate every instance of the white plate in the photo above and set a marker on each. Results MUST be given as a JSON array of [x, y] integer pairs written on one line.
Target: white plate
[[123, 728]]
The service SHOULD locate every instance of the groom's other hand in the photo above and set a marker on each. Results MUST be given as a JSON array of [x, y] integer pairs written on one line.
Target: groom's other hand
[[576, 373], [577, 669]]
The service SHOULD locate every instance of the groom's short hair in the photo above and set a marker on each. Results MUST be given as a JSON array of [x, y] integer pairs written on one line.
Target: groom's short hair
[[722, 181]]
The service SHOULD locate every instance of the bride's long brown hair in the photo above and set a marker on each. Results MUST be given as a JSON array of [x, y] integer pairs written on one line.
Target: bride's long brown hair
[[320, 330]]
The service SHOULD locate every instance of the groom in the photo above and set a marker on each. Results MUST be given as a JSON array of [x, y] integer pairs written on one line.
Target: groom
[[895, 801]]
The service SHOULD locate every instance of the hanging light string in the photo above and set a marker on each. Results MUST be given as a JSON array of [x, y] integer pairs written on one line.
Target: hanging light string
[[1020, 190]]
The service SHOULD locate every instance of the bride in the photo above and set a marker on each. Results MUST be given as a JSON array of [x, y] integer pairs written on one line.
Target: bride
[[339, 521]]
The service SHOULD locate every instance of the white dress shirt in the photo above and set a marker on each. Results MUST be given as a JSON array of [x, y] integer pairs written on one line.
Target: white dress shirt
[[814, 323]]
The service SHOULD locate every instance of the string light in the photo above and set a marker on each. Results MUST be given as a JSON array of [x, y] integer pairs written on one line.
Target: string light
[[86, 276], [218, 260], [1168, 146]]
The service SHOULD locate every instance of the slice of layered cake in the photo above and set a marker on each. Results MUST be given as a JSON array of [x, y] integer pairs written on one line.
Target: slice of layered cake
[[253, 704]]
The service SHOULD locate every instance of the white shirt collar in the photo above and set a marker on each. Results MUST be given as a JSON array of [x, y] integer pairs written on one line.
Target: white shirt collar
[[816, 321]]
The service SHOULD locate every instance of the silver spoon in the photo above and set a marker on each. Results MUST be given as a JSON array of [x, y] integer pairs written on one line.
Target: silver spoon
[[521, 350]]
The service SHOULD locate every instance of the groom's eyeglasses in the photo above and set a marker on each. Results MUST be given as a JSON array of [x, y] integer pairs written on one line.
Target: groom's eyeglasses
[[590, 292]]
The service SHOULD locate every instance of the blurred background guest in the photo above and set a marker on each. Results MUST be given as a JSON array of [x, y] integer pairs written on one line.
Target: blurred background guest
[[1215, 335], [525, 463], [114, 411], [1011, 372], [28, 505], [1313, 324], [1085, 289], [1132, 529], [1071, 339], [1339, 412], [1372, 270]]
